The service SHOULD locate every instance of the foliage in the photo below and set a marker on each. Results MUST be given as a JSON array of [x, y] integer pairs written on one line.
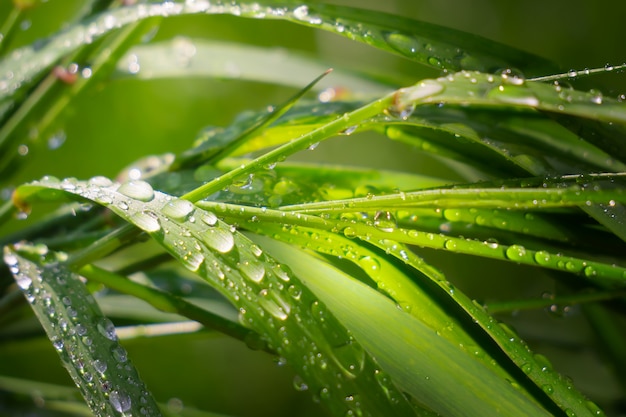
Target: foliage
[[339, 272]]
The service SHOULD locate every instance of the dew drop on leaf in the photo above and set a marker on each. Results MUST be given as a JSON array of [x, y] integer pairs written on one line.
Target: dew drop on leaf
[[299, 384], [100, 366], [282, 272], [542, 257], [178, 209], [256, 251], [220, 239], [100, 181], [369, 264], [146, 220], [294, 292], [193, 260], [210, 219], [254, 271], [23, 281], [120, 401], [106, 328], [137, 189], [450, 245], [512, 76], [301, 12], [269, 301], [119, 353], [516, 253]]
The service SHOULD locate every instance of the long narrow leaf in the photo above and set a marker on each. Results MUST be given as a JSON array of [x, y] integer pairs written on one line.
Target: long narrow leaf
[[84, 338]]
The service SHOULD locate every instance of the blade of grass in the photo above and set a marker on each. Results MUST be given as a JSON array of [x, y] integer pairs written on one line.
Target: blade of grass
[[83, 337], [267, 295], [373, 27], [169, 303], [221, 147], [187, 57], [388, 334]]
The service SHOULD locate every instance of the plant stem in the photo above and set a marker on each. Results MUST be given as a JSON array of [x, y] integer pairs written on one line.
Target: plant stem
[[169, 303], [103, 246], [342, 123]]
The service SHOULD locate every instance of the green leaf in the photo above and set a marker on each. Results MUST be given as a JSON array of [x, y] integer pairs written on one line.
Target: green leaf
[[270, 299], [84, 338], [185, 57], [443, 48], [388, 334]]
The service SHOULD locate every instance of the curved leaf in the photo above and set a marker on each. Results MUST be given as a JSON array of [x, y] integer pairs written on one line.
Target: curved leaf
[[82, 336]]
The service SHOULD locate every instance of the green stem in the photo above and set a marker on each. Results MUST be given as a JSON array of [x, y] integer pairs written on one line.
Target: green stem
[[7, 209], [171, 304], [103, 246], [599, 273], [7, 26], [305, 141]]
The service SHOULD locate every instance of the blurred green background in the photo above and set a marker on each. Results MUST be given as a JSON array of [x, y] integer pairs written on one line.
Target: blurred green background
[[115, 122]]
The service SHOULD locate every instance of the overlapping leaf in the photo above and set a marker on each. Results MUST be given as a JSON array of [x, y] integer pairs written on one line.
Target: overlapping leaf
[[274, 302], [84, 338]]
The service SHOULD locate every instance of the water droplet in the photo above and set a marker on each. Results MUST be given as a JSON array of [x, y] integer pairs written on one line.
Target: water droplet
[[253, 270], [294, 292], [369, 264], [512, 76], [146, 220], [23, 281], [450, 245], [435, 62], [120, 401], [193, 260], [543, 362], [209, 218], [68, 184], [527, 368], [100, 366], [178, 209], [516, 253], [405, 98], [548, 389], [57, 140], [299, 384], [137, 189], [119, 353], [542, 257], [385, 221], [595, 410], [597, 97], [350, 130], [133, 64], [100, 181], [349, 232], [82, 330], [272, 302], [256, 251], [406, 44], [282, 272], [106, 328], [219, 238]]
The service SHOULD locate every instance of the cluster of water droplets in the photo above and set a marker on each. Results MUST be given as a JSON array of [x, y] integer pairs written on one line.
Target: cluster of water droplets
[[269, 298], [85, 340]]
